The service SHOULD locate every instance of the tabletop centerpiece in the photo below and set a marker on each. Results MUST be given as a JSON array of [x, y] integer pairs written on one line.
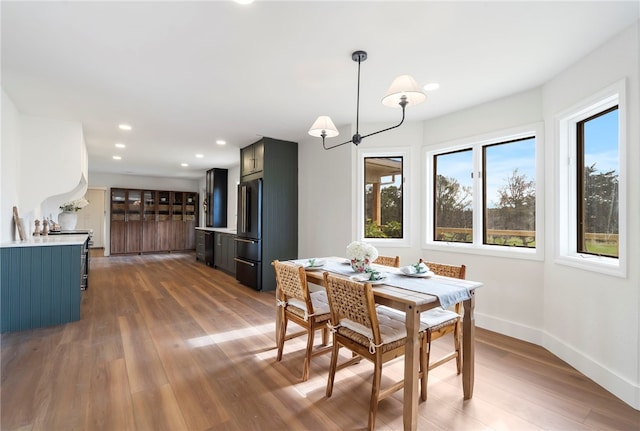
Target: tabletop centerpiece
[[361, 255]]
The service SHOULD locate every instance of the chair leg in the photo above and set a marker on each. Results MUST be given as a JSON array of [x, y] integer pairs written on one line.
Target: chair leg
[[307, 359], [424, 367], [325, 335], [332, 366], [425, 363], [375, 390], [457, 336], [283, 331]]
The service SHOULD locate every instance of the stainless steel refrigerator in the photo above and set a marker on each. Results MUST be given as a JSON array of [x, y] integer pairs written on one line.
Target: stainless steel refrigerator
[[249, 234]]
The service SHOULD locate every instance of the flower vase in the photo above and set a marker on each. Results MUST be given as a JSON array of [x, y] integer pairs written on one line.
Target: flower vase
[[67, 220], [360, 265]]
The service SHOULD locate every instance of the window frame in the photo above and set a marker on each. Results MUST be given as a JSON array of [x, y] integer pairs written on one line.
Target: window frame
[[566, 252], [476, 143], [363, 154]]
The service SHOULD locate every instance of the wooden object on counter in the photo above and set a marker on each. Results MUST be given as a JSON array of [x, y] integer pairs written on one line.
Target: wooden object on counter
[[18, 223]]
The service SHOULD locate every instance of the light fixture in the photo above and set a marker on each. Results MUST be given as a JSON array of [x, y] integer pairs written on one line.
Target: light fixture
[[120, 145], [117, 158], [403, 91], [184, 165], [199, 156], [221, 142], [124, 127]]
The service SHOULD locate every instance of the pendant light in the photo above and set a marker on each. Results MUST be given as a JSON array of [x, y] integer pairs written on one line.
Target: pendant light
[[403, 91]]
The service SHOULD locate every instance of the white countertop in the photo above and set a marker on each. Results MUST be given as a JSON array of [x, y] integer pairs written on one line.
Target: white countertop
[[47, 240], [219, 229]]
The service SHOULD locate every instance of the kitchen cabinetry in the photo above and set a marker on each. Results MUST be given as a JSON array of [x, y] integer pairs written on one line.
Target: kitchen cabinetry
[[126, 221], [252, 159], [150, 221], [216, 195], [204, 247], [267, 211], [42, 281], [224, 252]]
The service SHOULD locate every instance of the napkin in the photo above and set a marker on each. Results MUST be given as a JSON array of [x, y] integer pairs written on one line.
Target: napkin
[[312, 262], [369, 276], [418, 268]]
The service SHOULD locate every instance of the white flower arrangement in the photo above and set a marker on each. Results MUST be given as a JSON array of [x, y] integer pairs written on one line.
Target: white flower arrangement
[[361, 250], [74, 205]]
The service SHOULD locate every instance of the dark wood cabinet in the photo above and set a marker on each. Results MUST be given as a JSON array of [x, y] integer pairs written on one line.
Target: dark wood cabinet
[[126, 221], [216, 195], [150, 221], [224, 252], [276, 163], [252, 158]]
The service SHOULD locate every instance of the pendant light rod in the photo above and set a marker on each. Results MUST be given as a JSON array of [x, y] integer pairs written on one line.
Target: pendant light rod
[[402, 92]]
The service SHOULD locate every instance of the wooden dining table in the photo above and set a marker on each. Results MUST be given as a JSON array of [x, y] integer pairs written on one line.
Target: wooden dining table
[[413, 303]]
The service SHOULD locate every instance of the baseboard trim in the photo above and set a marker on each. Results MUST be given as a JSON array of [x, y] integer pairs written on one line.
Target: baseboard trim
[[626, 390]]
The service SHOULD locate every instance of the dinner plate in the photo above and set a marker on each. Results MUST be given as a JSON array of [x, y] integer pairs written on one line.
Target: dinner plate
[[372, 282], [426, 274]]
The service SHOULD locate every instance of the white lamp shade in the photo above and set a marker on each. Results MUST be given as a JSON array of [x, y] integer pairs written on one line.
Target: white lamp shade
[[403, 85], [323, 123]]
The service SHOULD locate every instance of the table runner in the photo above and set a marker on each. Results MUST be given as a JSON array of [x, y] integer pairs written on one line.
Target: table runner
[[449, 291]]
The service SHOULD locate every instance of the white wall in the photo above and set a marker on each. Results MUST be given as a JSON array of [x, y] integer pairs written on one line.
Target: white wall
[[589, 320], [44, 163], [9, 169]]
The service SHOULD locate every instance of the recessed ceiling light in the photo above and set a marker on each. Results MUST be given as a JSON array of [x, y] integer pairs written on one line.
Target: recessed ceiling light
[[243, 1], [120, 145], [221, 142], [431, 86], [124, 127], [199, 156], [184, 165], [117, 158]]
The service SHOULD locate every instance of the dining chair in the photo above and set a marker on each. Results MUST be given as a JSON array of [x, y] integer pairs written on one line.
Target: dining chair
[[309, 310], [374, 333], [441, 322], [388, 261]]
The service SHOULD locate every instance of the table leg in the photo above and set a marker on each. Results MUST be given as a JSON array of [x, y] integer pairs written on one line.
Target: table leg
[[468, 346], [411, 364]]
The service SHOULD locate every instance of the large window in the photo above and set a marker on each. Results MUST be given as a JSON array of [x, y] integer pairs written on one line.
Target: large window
[[597, 173], [483, 193], [383, 197], [591, 213]]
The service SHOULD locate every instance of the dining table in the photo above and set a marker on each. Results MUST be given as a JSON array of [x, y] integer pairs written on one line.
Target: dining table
[[413, 295]]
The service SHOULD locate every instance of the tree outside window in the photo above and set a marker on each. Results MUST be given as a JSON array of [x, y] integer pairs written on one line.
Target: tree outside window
[[383, 194]]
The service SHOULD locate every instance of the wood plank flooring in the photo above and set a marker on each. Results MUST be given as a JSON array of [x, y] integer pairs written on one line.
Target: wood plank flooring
[[166, 343]]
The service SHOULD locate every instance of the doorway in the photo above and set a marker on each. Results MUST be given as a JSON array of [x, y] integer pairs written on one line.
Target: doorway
[[93, 215]]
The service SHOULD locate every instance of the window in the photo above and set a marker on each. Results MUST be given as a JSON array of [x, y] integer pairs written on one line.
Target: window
[[452, 194], [383, 197], [591, 213], [483, 193], [597, 173]]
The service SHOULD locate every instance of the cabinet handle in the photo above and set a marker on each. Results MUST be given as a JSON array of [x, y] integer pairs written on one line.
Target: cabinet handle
[[250, 241], [244, 261]]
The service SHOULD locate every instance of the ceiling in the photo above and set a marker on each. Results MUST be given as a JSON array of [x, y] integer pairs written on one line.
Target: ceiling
[[185, 74]]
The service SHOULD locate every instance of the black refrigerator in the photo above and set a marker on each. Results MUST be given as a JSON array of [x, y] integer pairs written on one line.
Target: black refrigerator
[[249, 234]]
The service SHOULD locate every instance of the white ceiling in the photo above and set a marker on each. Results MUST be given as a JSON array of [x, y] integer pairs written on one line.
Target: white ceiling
[[185, 74]]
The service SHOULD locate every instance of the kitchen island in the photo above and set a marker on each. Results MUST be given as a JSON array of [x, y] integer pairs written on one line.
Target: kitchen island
[[41, 281]]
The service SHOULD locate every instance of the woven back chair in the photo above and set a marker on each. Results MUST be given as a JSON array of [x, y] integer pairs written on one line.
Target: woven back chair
[[374, 333], [388, 261], [441, 322], [297, 304]]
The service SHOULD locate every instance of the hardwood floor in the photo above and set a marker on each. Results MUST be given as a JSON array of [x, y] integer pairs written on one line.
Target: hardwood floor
[[166, 343]]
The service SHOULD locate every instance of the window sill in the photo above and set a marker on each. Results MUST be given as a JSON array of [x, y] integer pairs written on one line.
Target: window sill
[[487, 250], [599, 264]]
